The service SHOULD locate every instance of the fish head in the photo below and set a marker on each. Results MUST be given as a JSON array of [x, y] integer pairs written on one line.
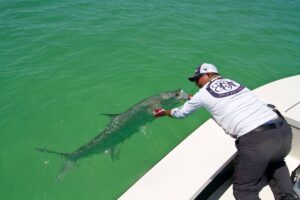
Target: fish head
[[177, 95]]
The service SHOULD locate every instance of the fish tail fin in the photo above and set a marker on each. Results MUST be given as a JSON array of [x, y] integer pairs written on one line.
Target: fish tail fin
[[68, 166], [44, 150]]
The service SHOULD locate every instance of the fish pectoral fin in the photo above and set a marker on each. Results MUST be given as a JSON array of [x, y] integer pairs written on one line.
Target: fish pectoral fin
[[114, 153], [143, 130]]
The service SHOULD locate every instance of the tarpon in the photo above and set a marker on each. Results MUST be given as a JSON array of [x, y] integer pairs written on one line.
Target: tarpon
[[121, 127]]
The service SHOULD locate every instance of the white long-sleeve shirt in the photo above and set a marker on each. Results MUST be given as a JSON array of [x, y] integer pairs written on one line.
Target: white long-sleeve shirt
[[234, 107]]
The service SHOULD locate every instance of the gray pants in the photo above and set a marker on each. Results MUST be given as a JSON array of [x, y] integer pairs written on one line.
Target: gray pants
[[260, 161]]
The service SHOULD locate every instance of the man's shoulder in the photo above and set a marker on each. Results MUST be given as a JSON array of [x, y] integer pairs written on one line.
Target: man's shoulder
[[224, 87]]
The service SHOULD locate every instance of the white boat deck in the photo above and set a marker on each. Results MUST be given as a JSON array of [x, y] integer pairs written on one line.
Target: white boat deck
[[192, 165]]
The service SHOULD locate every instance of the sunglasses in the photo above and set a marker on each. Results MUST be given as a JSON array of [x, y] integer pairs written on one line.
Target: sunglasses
[[198, 77]]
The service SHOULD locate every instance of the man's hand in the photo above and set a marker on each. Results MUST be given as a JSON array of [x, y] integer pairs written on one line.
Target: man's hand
[[160, 112]]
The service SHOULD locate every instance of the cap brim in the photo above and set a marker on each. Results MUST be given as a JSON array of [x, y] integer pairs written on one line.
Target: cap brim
[[194, 77]]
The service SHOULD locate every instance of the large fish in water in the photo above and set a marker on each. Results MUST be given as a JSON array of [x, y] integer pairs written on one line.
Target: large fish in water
[[121, 127]]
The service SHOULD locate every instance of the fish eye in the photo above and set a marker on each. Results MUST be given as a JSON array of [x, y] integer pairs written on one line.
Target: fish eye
[[177, 94]]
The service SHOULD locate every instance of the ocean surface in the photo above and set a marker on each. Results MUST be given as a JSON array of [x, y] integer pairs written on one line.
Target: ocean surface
[[62, 63]]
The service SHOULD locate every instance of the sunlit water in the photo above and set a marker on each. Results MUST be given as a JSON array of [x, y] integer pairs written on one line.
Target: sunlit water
[[62, 63]]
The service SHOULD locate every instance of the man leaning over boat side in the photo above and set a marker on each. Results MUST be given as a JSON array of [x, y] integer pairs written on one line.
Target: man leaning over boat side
[[263, 139]]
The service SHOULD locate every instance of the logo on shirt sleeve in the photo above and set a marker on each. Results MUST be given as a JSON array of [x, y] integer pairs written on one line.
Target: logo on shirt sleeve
[[223, 88]]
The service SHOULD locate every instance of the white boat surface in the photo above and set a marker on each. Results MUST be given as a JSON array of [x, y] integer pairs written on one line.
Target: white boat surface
[[200, 167]]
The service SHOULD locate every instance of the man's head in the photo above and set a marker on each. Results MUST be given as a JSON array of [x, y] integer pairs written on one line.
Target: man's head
[[203, 73]]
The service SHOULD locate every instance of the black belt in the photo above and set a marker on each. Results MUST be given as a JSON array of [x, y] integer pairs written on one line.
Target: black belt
[[265, 127]]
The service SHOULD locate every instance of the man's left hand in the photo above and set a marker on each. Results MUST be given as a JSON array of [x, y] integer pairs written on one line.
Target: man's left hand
[[160, 112]]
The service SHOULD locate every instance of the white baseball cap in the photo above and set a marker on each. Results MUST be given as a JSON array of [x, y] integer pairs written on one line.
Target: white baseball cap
[[203, 69]]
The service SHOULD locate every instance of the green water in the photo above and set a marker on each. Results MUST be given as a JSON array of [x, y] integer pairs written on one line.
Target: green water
[[64, 62]]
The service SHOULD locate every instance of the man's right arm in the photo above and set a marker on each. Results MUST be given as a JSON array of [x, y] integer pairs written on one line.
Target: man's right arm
[[187, 108]]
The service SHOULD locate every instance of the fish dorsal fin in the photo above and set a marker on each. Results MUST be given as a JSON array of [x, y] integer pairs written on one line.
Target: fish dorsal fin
[[109, 115]]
